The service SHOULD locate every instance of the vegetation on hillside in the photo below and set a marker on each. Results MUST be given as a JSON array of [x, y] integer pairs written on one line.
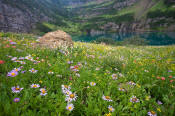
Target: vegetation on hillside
[[141, 10]]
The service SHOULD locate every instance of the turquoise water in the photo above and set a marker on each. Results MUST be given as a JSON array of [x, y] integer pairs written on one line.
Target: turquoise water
[[154, 38]]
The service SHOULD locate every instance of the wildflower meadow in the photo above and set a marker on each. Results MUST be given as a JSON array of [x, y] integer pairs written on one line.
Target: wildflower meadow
[[85, 80]]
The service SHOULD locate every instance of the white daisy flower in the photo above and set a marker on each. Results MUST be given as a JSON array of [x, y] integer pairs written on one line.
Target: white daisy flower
[[131, 83], [22, 62], [16, 89], [66, 92], [68, 99], [70, 107], [134, 99], [114, 76], [43, 92], [107, 98], [110, 108], [121, 89], [50, 72], [152, 113], [35, 86], [33, 70], [77, 74], [17, 69], [71, 97], [92, 83], [65, 87]]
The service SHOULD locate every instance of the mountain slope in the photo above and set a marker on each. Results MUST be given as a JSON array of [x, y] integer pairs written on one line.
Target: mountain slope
[[126, 15], [21, 16], [86, 16]]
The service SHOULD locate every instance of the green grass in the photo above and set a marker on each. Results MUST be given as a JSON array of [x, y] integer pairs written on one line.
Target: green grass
[[159, 6], [66, 26], [96, 63]]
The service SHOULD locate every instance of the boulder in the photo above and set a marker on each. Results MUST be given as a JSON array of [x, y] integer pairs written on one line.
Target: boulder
[[55, 39]]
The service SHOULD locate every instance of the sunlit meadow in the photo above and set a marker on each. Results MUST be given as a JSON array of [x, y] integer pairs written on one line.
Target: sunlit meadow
[[87, 79]]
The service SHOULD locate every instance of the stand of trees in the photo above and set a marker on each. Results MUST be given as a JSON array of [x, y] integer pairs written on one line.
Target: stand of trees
[[169, 1]]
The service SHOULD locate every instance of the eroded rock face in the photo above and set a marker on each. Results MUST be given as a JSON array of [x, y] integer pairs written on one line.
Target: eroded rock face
[[55, 39], [122, 4], [13, 19]]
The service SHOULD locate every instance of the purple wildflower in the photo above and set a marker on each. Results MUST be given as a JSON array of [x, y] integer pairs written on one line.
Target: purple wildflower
[[16, 99], [16, 89], [14, 58], [12, 73], [33, 70], [134, 99], [159, 102], [17, 69], [152, 113], [12, 43], [70, 62]]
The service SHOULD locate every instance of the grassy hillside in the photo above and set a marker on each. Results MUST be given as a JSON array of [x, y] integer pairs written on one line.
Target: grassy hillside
[[96, 79]]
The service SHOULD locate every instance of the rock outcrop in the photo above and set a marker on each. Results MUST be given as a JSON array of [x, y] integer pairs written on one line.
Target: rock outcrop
[[55, 39], [13, 19], [122, 4], [23, 15], [141, 25]]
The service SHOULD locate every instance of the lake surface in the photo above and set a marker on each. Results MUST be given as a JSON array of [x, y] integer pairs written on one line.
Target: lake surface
[[154, 38]]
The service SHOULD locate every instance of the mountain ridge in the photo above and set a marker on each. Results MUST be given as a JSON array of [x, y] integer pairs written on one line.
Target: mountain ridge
[[86, 16]]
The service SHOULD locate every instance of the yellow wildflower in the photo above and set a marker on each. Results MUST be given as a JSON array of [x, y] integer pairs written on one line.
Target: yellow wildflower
[[158, 109], [108, 114], [147, 98], [33, 55], [40, 81], [138, 85]]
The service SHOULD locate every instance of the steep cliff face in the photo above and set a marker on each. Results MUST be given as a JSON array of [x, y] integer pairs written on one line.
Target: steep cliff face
[[15, 20], [22, 16]]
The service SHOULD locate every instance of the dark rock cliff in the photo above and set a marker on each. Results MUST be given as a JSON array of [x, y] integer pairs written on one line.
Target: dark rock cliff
[[15, 20], [22, 15]]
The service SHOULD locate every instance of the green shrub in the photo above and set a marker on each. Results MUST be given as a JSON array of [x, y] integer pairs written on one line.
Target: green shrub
[[159, 13], [169, 2], [43, 28]]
